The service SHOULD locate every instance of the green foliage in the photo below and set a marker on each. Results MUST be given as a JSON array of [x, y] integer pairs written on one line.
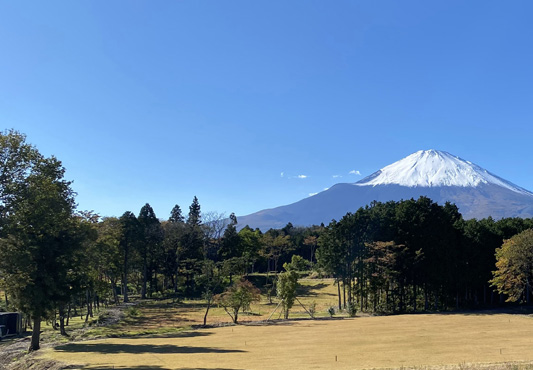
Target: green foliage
[[230, 246], [133, 311], [352, 310], [40, 237], [251, 243], [129, 241], [286, 290], [194, 213], [273, 247], [298, 263], [176, 215], [150, 245]]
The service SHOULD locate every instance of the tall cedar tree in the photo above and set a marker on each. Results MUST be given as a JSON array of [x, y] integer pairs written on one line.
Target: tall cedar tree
[[150, 244], [129, 240], [193, 245], [172, 243]]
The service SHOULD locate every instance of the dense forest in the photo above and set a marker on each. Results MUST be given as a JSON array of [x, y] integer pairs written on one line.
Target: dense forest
[[389, 257]]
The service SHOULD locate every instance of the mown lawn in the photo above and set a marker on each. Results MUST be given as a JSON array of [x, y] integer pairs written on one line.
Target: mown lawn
[[358, 343], [156, 335]]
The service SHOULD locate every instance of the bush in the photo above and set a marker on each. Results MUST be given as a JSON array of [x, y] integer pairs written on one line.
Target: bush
[[352, 310], [133, 312]]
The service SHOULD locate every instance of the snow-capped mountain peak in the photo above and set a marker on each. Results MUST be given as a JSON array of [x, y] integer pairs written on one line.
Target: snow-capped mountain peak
[[433, 168]]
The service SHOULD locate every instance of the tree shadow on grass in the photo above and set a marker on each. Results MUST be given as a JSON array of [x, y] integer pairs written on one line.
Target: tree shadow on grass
[[109, 367], [312, 290], [487, 311], [151, 368], [139, 348], [185, 334], [201, 368]]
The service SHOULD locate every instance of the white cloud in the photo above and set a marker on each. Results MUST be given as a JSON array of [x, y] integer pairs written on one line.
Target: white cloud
[[326, 189], [282, 174], [302, 176], [336, 176], [311, 194], [354, 172]]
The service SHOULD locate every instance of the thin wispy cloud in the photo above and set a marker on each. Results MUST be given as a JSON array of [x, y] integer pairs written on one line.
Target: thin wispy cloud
[[354, 172], [282, 174], [336, 176], [302, 176]]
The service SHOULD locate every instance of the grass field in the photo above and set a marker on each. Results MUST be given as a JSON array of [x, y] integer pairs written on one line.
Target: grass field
[[155, 334], [359, 343], [166, 317]]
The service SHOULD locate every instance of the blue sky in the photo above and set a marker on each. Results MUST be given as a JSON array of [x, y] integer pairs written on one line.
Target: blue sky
[[157, 102]]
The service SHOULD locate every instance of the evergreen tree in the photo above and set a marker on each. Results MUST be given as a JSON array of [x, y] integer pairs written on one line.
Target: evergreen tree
[[129, 240], [193, 245], [194, 213], [150, 246], [175, 215]]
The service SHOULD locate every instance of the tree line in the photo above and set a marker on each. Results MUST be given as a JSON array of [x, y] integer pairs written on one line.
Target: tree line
[[415, 254], [386, 257]]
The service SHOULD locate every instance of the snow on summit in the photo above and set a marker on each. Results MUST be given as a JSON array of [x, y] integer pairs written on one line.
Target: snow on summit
[[433, 168]]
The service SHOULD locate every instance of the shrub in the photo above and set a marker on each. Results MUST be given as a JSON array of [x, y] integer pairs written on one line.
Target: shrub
[[133, 312], [352, 310]]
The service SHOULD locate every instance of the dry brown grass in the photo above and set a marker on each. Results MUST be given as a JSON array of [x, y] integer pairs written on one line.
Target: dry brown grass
[[164, 317], [367, 342]]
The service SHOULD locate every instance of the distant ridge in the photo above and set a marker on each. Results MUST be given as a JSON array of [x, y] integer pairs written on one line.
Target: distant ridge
[[436, 174]]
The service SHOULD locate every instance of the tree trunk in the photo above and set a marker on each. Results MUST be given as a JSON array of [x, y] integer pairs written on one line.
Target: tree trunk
[[35, 335], [7, 301], [62, 321], [207, 311], [414, 297], [88, 302], [125, 278], [145, 277], [68, 314], [344, 292], [527, 291], [114, 289], [339, 291]]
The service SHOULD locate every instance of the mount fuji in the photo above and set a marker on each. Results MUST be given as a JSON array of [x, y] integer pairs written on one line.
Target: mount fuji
[[436, 174]]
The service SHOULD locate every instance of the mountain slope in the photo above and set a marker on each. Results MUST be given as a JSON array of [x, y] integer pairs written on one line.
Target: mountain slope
[[435, 174]]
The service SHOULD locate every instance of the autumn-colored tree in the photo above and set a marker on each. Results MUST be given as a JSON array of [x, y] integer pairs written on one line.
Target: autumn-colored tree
[[238, 296], [514, 264]]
